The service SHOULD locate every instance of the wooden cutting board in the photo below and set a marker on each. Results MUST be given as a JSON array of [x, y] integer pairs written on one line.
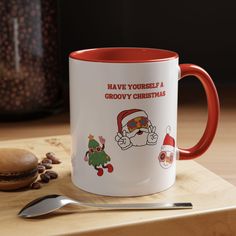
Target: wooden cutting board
[[214, 201]]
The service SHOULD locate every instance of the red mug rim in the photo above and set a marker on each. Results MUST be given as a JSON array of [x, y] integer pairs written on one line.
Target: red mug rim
[[123, 55]]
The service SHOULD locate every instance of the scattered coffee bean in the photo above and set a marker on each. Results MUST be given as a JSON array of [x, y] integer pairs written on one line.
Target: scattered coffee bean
[[56, 161], [46, 160], [52, 174], [36, 185], [41, 168], [52, 156], [45, 178], [47, 165]]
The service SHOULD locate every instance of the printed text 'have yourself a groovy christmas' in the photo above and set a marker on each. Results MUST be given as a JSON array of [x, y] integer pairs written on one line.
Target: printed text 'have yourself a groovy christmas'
[[123, 88]]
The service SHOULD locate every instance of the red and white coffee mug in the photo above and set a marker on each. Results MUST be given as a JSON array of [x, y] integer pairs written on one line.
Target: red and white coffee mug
[[123, 106]]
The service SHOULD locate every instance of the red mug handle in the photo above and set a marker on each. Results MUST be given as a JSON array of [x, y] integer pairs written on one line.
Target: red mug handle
[[213, 111]]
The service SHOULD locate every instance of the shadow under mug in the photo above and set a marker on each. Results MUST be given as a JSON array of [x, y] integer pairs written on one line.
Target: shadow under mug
[[123, 107]]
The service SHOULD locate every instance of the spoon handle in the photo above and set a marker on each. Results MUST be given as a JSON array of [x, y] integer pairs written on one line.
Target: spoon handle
[[141, 206]]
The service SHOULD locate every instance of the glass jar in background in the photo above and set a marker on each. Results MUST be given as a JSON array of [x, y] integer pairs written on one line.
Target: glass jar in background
[[29, 61]]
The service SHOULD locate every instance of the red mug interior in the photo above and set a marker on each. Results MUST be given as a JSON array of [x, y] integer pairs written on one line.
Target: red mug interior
[[123, 55]]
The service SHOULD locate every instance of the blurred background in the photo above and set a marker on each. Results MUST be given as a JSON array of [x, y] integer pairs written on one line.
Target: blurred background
[[37, 36], [202, 32]]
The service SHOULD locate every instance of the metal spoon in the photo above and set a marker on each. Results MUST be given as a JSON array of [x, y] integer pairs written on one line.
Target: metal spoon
[[50, 203]]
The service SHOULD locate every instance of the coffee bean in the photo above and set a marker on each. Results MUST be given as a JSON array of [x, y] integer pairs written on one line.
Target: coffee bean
[[47, 165], [52, 174], [36, 185], [41, 168], [56, 161], [52, 156], [46, 160], [45, 178]]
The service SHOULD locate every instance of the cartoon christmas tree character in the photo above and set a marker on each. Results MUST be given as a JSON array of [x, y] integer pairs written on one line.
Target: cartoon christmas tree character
[[135, 129], [167, 153], [96, 155]]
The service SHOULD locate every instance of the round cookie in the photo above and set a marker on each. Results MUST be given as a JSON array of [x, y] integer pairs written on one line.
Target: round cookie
[[18, 168]]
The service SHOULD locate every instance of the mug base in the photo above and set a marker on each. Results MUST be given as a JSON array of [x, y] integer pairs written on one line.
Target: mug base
[[120, 194]]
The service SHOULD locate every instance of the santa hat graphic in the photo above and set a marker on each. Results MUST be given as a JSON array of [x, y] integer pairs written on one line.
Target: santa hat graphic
[[127, 115], [169, 142]]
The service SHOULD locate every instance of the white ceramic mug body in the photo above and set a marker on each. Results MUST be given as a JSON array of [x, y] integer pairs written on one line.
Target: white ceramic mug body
[[123, 126]]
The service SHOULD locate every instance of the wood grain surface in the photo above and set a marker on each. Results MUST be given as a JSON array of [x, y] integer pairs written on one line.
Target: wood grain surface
[[214, 201]]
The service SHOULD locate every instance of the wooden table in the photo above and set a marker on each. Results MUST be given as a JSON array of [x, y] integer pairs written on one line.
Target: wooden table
[[214, 199]]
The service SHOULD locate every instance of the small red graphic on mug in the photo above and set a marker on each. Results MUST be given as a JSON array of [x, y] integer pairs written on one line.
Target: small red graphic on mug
[[166, 155], [96, 156], [135, 129]]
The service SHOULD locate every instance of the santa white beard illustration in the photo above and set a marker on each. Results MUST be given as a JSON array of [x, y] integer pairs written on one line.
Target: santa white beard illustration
[[138, 137], [135, 129]]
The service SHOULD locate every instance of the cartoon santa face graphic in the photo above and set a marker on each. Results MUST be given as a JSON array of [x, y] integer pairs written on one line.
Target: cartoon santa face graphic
[[135, 129], [166, 155]]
